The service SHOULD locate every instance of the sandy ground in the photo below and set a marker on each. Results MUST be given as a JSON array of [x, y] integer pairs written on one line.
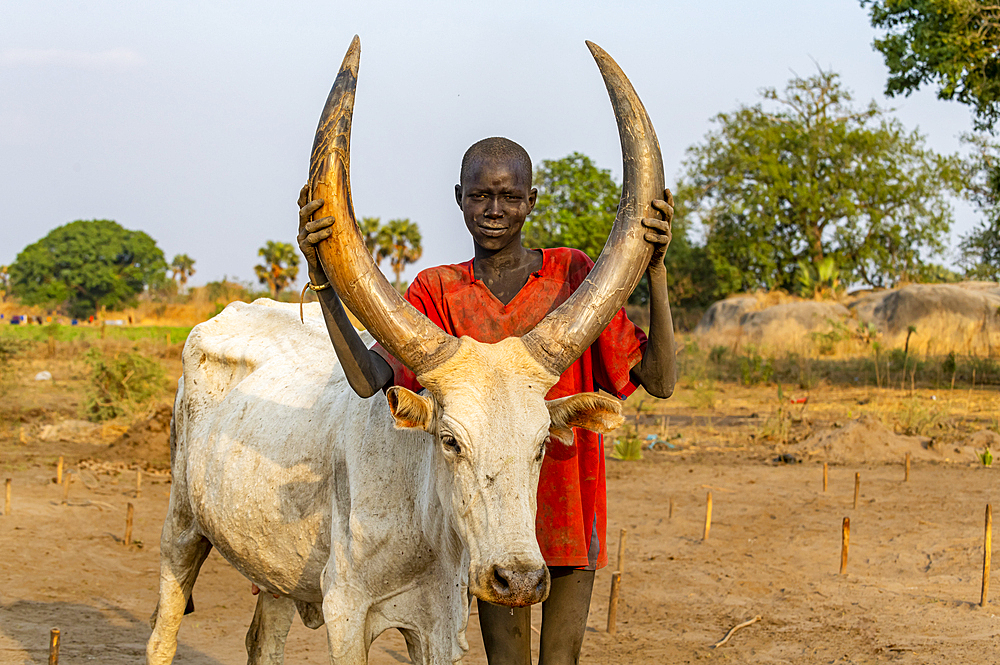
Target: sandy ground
[[910, 594]]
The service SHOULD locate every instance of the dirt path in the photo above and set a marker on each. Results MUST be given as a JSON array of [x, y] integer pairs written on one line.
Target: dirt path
[[910, 594]]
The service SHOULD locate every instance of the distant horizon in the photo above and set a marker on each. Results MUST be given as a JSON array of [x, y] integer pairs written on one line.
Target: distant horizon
[[193, 123]]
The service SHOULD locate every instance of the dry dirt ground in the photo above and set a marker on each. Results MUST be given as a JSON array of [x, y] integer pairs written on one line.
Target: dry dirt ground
[[910, 593]]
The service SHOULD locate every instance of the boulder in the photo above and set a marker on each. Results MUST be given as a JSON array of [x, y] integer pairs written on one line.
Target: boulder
[[787, 326], [961, 318]]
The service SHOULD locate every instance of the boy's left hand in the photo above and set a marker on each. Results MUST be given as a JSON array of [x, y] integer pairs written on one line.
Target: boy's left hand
[[658, 231]]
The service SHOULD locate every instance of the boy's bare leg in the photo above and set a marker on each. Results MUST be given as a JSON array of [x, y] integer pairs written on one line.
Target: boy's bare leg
[[506, 633], [564, 616]]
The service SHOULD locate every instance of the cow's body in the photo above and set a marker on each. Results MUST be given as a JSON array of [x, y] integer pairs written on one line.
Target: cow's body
[[275, 459]]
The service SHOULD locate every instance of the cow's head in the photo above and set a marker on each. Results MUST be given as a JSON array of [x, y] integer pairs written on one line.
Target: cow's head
[[485, 403], [487, 410]]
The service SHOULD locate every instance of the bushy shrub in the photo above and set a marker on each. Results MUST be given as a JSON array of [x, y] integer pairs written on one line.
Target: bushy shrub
[[121, 383]]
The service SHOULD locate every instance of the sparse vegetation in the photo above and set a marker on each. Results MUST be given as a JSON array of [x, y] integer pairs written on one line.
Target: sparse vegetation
[[629, 447]]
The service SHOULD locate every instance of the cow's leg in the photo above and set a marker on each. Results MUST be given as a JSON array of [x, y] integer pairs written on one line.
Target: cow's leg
[[181, 557], [269, 629]]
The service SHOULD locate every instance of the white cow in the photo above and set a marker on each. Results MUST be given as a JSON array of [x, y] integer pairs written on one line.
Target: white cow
[[368, 514], [349, 511]]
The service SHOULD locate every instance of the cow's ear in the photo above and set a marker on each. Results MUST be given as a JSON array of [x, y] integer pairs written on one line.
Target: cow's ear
[[587, 410], [411, 411]]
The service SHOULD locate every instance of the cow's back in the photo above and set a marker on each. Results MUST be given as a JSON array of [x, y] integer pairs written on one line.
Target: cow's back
[[265, 426]]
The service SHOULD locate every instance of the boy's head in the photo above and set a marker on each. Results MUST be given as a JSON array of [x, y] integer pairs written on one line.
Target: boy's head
[[495, 192], [497, 148]]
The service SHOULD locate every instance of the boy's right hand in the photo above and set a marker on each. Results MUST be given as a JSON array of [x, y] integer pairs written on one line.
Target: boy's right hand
[[311, 232]]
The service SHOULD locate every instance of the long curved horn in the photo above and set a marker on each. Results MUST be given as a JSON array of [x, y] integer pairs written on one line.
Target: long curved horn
[[562, 336], [395, 323]]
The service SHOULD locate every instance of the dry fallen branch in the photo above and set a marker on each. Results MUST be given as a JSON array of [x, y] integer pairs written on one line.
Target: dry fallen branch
[[733, 630]]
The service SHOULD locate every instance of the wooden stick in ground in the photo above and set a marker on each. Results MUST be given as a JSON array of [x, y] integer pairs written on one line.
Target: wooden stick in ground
[[845, 544], [59, 470], [732, 631], [826, 476], [670, 511], [616, 580], [906, 477], [6, 497], [129, 513], [987, 547], [54, 647], [67, 481], [138, 483], [621, 551], [708, 516], [857, 487]]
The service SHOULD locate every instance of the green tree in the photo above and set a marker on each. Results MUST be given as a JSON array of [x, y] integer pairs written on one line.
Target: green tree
[[954, 44], [814, 177], [87, 264], [4, 283], [400, 241], [979, 250], [375, 239], [280, 267], [181, 268], [577, 203]]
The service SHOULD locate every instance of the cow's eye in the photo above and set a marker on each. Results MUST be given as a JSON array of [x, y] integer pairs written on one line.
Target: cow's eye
[[450, 444], [541, 449]]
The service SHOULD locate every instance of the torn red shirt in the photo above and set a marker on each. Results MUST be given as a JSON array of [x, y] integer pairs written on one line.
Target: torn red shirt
[[571, 522]]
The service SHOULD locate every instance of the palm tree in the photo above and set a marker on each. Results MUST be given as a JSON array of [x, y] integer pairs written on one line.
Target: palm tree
[[280, 268], [181, 268], [375, 238], [400, 238]]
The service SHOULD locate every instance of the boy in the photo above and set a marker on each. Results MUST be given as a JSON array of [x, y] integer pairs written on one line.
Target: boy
[[504, 291]]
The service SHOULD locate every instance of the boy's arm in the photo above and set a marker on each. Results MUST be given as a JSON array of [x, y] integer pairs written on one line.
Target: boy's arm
[[657, 371], [366, 371]]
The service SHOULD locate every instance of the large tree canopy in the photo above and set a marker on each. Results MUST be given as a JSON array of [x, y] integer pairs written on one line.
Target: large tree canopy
[[811, 176], [87, 264], [952, 43], [577, 204]]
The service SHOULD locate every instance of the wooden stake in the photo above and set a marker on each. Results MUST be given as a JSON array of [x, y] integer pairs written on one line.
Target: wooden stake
[[621, 551], [59, 470], [708, 516], [826, 476], [670, 512], [138, 483], [6, 497], [54, 647], [857, 488], [845, 544], [987, 548], [616, 580], [906, 478], [129, 513], [67, 481]]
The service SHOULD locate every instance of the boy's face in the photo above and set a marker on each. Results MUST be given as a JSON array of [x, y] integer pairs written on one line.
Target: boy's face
[[496, 197]]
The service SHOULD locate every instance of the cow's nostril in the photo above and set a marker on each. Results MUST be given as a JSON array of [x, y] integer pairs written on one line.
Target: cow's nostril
[[502, 578]]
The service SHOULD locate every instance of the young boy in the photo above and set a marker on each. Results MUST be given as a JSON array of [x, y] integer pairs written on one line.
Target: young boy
[[504, 291]]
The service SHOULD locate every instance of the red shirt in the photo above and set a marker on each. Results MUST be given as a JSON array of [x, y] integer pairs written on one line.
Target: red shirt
[[571, 522]]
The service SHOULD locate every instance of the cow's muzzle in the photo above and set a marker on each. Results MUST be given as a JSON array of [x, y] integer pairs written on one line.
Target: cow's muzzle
[[514, 587]]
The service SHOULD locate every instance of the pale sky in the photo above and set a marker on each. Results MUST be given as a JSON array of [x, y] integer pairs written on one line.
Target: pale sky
[[193, 120]]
